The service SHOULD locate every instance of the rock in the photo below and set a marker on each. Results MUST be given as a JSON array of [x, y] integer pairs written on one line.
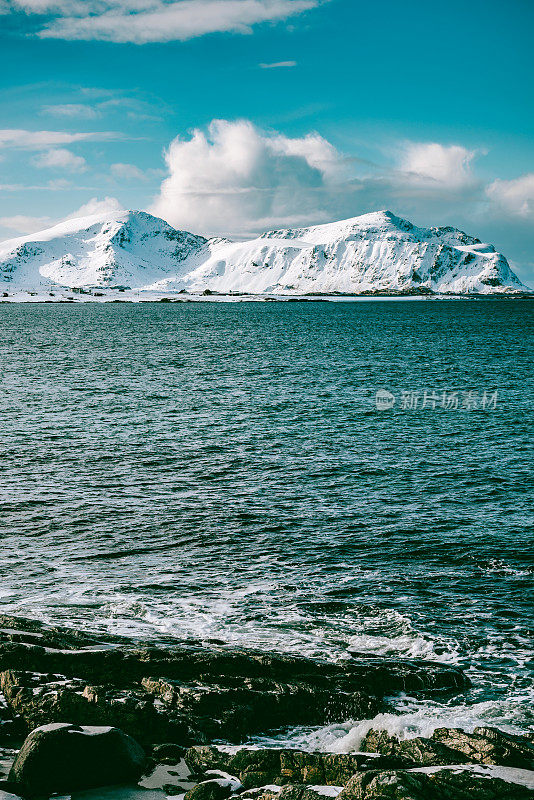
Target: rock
[[39, 699], [63, 757], [167, 753], [269, 790], [255, 767], [208, 790], [8, 796], [454, 746], [304, 792], [411, 752], [444, 784], [489, 746], [189, 692], [231, 709]]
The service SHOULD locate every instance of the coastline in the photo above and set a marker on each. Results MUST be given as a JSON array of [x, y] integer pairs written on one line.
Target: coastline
[[77, 297], [194, 709]]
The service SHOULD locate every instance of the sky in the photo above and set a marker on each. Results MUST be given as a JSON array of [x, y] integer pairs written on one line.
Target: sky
[[231, 117]]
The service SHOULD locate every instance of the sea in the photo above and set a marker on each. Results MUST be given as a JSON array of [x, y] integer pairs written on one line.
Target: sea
[[322, 478]]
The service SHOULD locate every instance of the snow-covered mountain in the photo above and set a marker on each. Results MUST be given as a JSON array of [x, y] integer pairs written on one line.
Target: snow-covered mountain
[[129, 248], [373, 252]]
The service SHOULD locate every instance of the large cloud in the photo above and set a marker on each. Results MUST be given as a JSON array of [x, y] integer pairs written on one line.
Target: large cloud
[[236, 179], [141, 21]]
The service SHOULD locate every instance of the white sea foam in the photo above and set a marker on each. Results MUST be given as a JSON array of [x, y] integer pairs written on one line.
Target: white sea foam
[[409, 718]]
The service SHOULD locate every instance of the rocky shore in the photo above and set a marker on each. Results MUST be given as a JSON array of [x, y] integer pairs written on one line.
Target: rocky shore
[[82, 716]]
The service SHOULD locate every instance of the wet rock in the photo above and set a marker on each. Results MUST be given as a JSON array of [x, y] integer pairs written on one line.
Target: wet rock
[[188, 692], [444, 784], [454, 746], [232, 709], [256, 767], [64, 757], [39, 699], [489, 746], [411, 752], [209, 790]]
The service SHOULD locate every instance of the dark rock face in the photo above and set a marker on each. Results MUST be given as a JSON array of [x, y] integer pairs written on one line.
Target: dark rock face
[[284, 766], [63, 757], [454, 746], [445, 784], [188, 693]]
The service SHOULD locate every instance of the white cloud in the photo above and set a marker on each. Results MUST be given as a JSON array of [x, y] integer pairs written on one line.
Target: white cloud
[[515, 197], [237, 179], [71, 110], [279, 64], [141, 21], [41, 140], [109, 205], [60, 159], [20, 223], [431, 162], [127, 172]]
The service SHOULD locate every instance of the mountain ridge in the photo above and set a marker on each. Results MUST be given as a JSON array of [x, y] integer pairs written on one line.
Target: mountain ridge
[[374, 252]]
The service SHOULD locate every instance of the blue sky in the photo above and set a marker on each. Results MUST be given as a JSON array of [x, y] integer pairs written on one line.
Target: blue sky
[[326, 109]]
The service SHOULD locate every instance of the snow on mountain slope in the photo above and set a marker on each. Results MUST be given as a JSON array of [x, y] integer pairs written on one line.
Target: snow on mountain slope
[[373, 252], [377, 251], [129, 248]]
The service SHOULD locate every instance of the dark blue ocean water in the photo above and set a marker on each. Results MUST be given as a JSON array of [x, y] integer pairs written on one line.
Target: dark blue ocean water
[[221, 471]]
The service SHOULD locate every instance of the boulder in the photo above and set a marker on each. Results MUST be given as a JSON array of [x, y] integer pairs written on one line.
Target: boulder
[[411, 752], [444, 784], [489, 746], [454, 746], [167, 753], [64, 757], [209, 790]]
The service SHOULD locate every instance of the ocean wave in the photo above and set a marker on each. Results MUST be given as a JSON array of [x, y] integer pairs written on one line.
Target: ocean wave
[[410, 717]]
